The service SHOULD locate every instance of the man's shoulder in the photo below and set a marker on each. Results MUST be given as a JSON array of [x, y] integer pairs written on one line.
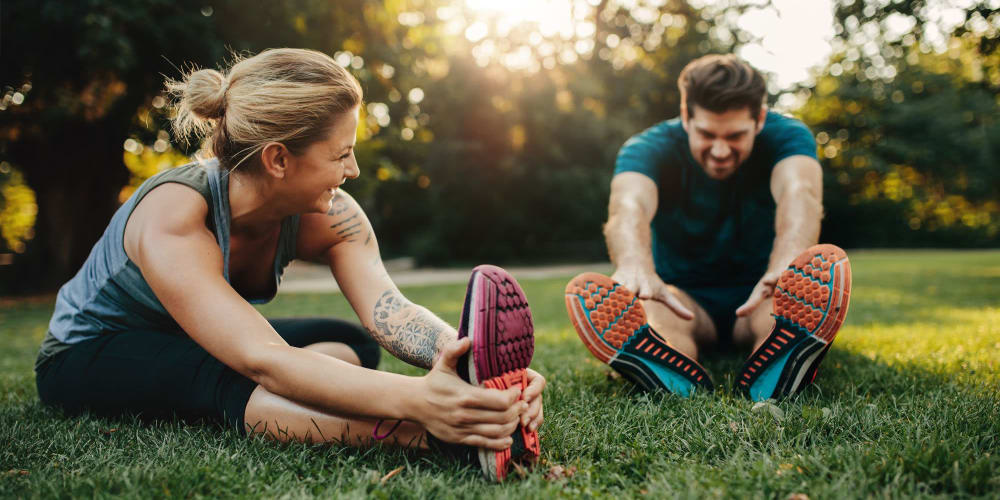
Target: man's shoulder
[[784, 136], [660, 137], [778, 124], [647, 151], [666, 129]]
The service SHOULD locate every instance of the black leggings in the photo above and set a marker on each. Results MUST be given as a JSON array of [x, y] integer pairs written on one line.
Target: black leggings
[[161, 375]]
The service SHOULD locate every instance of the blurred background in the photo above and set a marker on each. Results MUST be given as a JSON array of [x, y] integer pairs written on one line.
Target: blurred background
[[490, 127]]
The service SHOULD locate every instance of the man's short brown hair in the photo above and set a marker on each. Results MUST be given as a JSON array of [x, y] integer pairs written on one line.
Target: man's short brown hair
[[720, 83]]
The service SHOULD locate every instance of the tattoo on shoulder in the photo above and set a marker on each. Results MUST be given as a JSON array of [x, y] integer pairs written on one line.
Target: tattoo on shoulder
[[409, 332], [339, 206], [348, 223]]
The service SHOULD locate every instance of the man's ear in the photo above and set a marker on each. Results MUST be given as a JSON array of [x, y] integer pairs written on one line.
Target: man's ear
[[274, 159], [761, 118]]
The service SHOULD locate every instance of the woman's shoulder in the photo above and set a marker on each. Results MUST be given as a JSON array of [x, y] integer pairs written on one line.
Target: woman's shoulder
[[172, 205], [194, 175]]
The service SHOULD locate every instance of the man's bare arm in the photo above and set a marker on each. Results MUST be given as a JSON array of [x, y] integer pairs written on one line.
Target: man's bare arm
[[797, 187], [633, 204], [630, 211]]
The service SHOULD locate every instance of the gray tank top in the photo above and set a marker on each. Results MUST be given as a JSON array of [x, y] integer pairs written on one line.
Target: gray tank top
[[110, 295]]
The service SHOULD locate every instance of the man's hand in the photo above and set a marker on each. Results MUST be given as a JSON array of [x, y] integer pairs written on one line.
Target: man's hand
[[761, 292], [649, 286]]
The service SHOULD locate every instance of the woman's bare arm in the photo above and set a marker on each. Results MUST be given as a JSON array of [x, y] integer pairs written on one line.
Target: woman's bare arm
[[344, 238], [180, 259]]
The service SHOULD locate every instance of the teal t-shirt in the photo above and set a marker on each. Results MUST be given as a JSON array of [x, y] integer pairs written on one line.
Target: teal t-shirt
[[708, 232]]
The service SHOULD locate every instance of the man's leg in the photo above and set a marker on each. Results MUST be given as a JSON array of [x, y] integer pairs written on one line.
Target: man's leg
[[751, 331], [687, 336]]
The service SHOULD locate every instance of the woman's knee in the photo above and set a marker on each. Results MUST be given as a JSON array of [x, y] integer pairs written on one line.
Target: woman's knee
[[369, 352], [303, 332]]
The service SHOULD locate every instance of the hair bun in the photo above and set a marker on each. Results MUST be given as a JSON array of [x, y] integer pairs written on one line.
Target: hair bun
[[205, 93]]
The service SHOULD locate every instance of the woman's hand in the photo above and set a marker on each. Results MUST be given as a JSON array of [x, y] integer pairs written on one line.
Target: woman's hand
[[533, 417], [456, 412]]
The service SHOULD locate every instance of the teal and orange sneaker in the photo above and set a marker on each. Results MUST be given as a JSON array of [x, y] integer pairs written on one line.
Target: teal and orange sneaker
[[810, 303], [612, 324]]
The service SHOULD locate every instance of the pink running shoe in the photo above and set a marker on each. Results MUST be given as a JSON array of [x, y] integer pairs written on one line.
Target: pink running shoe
[[497, 318]]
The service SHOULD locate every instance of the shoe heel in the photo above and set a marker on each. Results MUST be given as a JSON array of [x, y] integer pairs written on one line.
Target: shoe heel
[[530, 442]]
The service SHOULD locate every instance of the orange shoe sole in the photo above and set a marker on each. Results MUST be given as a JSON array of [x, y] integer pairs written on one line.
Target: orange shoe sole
[[611, 322], [810, 304]]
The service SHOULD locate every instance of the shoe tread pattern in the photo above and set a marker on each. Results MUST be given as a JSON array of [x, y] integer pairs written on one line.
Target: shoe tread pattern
[[809, 306], [611, 322]]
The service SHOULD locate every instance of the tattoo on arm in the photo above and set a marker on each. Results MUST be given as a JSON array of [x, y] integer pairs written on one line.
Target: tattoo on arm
[[409, 332], [339, 206], [349, 231], [348, 225], [353, 219]]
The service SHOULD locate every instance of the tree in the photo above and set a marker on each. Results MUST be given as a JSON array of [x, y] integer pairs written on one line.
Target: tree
[[906, 116], [492, 142], [84, 92]]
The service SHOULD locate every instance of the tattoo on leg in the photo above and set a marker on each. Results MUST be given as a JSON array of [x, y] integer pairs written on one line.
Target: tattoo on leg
[[408, 331]]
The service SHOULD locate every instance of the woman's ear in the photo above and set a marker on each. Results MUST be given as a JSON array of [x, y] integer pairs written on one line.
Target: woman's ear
[[274, 158]]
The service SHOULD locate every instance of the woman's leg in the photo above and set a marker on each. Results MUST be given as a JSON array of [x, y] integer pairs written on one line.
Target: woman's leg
[[286, 420], [147, 373], [282, 419], [162, 375]]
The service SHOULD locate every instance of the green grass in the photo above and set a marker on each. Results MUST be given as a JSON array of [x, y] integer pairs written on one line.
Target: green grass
[[907, 404]]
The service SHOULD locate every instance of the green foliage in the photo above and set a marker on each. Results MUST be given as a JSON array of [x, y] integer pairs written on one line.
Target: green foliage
[[496, 142], [909, 130], [514, 163], [905, 405], [17, 217]]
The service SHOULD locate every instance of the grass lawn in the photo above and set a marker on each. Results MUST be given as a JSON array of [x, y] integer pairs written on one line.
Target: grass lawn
[[907, 403]]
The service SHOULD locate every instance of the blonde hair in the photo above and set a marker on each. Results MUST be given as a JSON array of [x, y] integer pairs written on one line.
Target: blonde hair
[[289, 96]]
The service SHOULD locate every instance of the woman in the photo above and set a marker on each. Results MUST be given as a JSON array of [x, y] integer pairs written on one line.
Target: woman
[[159, 322]]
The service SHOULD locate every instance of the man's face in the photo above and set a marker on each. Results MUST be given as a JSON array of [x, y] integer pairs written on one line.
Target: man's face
[[720, 142]]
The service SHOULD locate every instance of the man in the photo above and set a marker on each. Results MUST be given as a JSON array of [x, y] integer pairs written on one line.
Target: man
[[712, 226]]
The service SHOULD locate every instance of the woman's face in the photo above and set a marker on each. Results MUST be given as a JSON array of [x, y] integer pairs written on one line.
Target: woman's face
[[326, 164]]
